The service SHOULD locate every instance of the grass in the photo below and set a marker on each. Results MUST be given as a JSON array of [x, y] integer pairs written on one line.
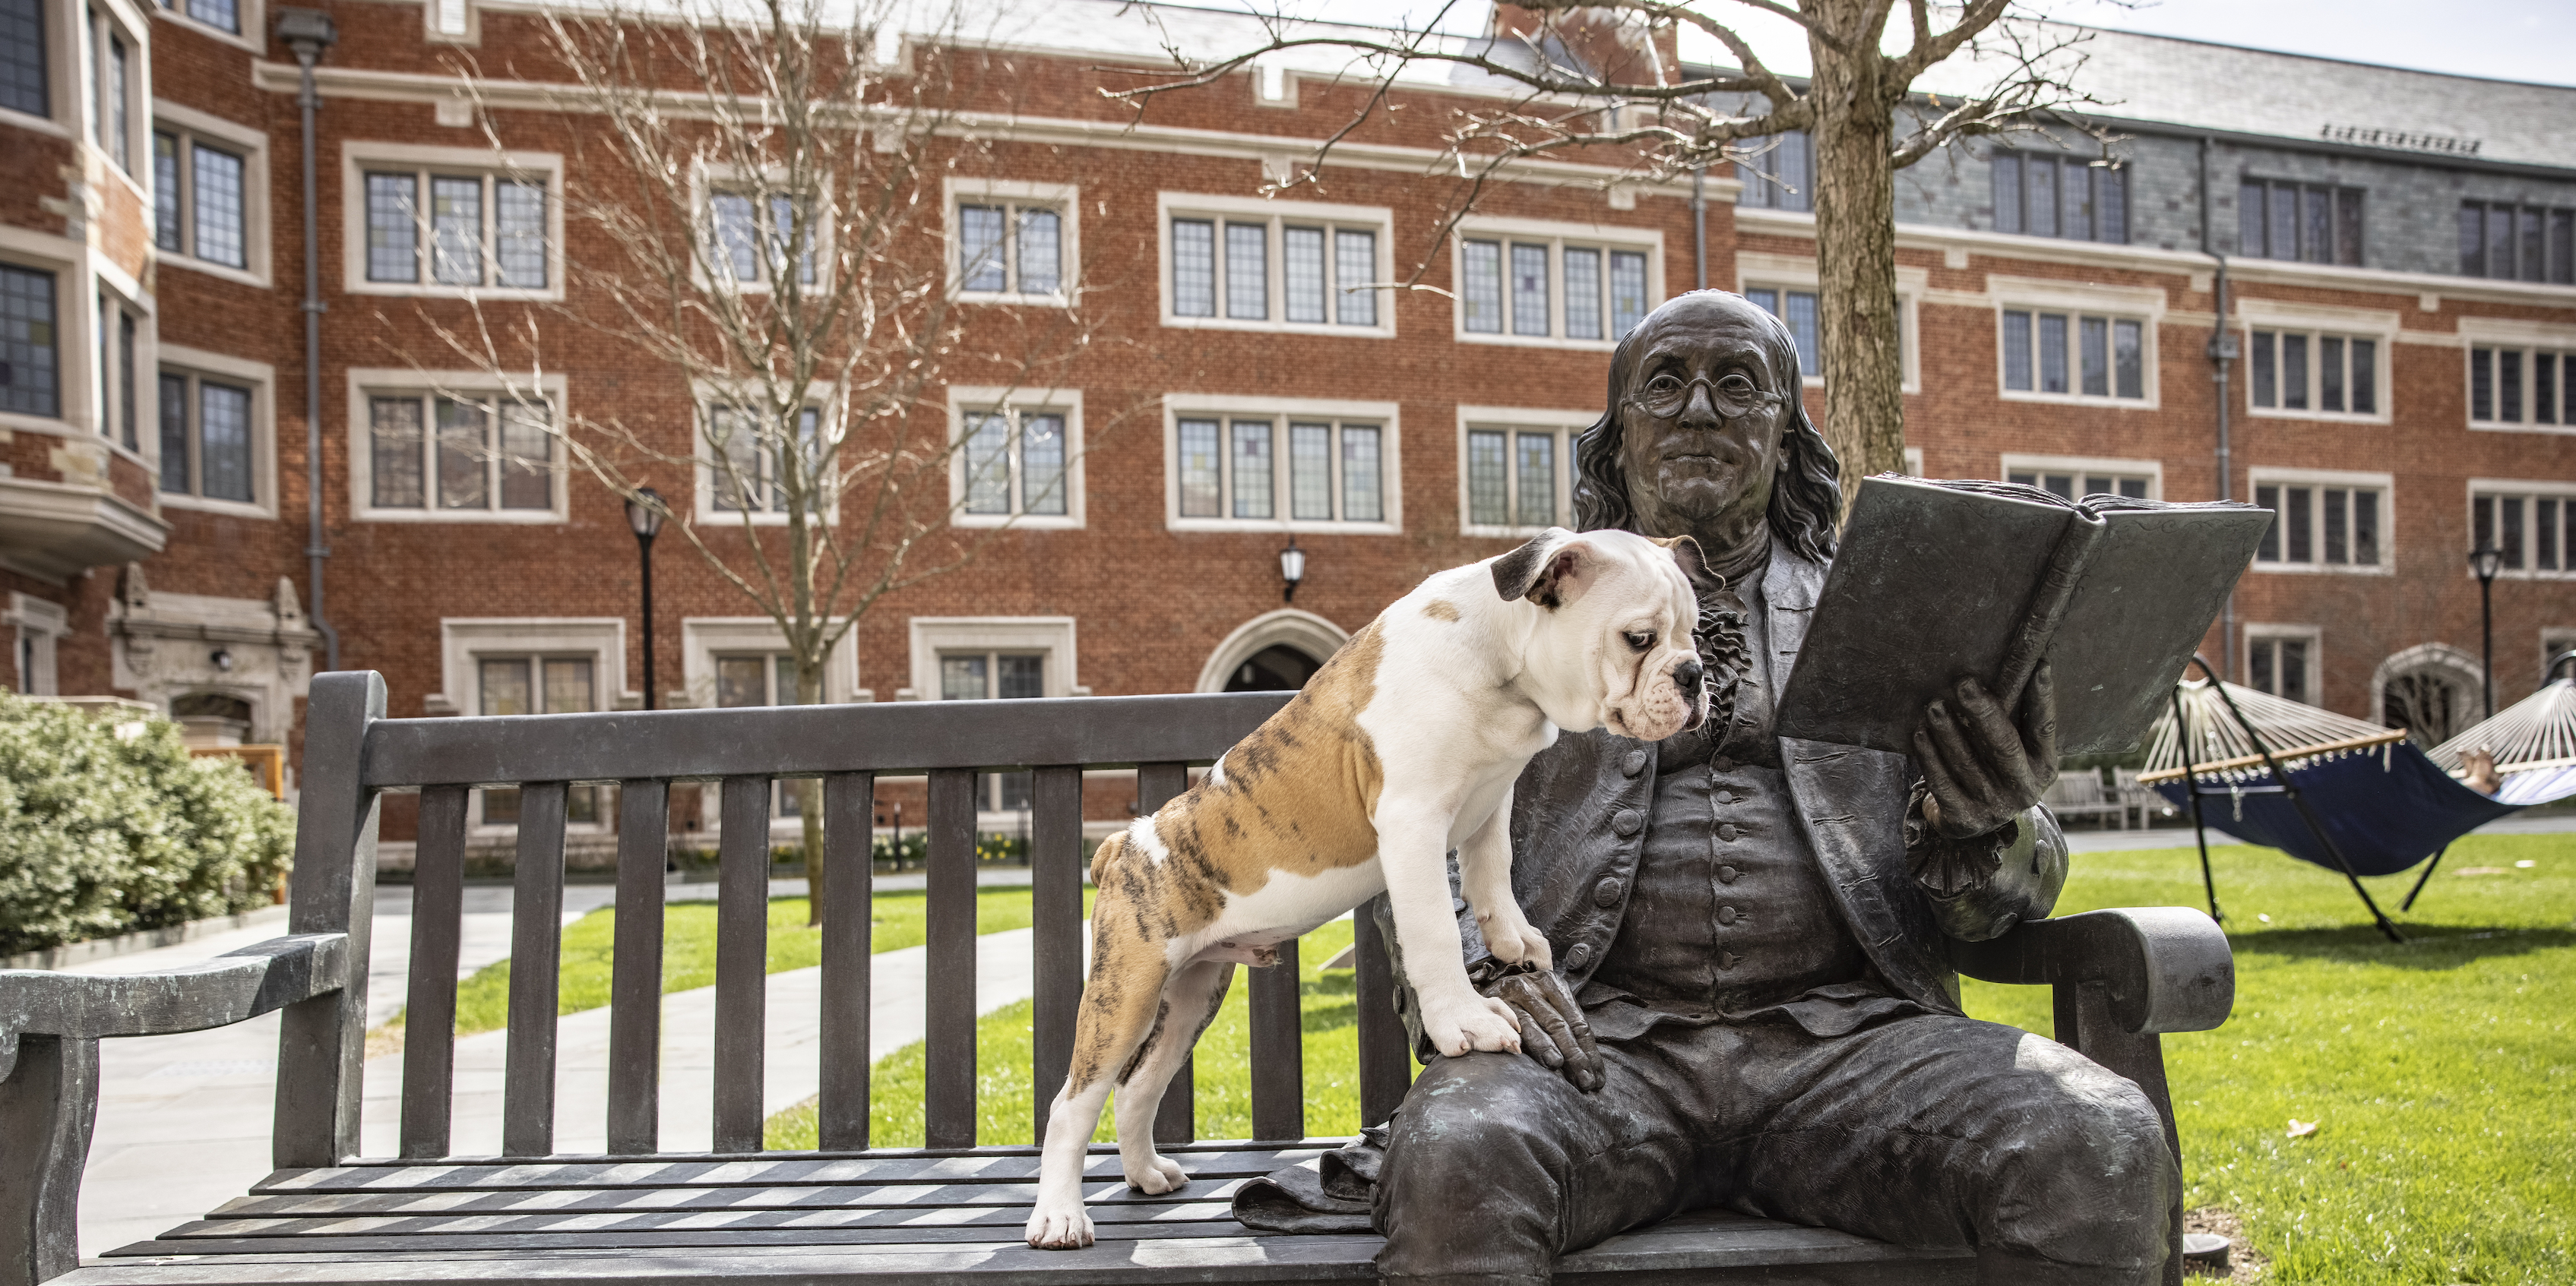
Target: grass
[[689, 949], [2441, 1074]]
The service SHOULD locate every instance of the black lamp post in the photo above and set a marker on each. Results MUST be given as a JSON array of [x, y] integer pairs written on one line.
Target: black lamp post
[[2486, 560], [644, 513], [1292, 569]]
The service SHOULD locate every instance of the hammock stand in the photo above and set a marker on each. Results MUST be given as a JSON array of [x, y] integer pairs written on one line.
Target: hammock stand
[[2282, 784]]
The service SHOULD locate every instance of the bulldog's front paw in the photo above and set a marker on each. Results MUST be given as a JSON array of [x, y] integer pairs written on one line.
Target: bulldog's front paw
[[1059, 1225], [1155, 1175], [1479, 1023], [1514, 942]]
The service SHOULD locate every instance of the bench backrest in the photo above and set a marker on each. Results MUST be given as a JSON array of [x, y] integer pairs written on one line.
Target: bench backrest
[[353, 754]]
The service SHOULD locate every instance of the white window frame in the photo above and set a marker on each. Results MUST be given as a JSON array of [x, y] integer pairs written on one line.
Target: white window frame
[[107, 383], [710, 181], [2318, 324], [42, 624], [261, 379], [1273, 215], [2313, 675], [2153, 470], [252, 15], [1786, 273], [462, 640], [357, 159], [136, 28], [368, 382], [2384, 483], [932, 636], [452, 22], [964, 400], [1566, 426], [1556, 236], [1281, 410], [2502, 333], [1063, 198], [190, 127], [66, 95], [704, 638], [818, 398], [2145, 306], [2527, 489]]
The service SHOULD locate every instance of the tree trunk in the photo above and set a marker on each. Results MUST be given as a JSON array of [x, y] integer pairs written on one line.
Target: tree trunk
[[1856, 251], [809, 796]]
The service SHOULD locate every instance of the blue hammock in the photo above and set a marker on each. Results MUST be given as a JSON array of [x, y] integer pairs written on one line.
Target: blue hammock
[[2386, 808]]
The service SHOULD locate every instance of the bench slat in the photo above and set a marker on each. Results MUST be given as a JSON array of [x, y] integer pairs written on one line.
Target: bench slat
[[1278, 1050], [948, 1027], [1176, 1120], [1215, 1203], [1386, 1059], [536, 939], [1228, 1159], [635, 986], [1103, 1186], [1055, 930], [448, 1243], [742, 964], [794, 741], [849, 828], [429, 1010]]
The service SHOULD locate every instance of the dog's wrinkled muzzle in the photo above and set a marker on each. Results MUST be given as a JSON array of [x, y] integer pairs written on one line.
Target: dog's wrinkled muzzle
[[1692, 679]]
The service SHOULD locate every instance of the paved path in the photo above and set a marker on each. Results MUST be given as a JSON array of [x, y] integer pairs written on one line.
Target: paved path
[[183, 1121]]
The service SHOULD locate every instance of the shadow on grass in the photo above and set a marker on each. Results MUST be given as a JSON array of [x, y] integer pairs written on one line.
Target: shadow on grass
[[2427, 946]]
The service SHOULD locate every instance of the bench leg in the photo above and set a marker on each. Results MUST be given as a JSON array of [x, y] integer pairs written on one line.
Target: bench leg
[[48, 1105], [2084, 1024]]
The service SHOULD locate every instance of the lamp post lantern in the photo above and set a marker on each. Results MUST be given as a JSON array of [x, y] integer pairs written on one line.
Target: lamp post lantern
[[644, 513], [1292, 569], [2486, 560]]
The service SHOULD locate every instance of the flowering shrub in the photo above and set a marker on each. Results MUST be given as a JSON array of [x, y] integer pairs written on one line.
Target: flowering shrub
[[102, 834]]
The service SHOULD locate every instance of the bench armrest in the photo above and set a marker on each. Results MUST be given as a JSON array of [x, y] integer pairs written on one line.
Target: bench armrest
[[2162, 969], [50, 1026], [217, 992]]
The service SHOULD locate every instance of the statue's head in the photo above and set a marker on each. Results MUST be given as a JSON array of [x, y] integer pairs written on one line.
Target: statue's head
[[1706, 432]]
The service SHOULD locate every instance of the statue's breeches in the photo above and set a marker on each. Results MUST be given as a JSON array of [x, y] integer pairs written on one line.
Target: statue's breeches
[[1925, 1130]]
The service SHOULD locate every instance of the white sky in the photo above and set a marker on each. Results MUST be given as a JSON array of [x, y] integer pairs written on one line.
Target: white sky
[[2532, 40]]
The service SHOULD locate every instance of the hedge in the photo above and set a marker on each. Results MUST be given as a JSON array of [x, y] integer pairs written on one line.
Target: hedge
[[102, 834]]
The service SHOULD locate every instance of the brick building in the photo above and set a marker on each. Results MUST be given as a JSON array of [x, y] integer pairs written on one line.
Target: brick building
[[2394, 247]]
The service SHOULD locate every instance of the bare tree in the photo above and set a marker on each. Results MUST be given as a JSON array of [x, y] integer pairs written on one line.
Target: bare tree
[[755, 214], [1597, 81]]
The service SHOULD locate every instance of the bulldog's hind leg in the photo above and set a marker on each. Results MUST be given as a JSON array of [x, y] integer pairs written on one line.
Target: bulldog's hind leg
[[1120, 1003], [1190, 1002]]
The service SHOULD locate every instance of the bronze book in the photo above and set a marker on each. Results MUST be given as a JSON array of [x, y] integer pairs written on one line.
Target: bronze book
[[1940, 580]]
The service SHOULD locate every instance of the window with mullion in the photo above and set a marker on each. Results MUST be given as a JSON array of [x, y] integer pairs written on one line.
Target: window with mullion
[[1015, 463], [2068, 354], [1549, 289], [2518, 386], [1516, 477], [24, 85], [2307, 222], [452, 455], [1009, 248], [476, 229], [2277, 664], [2046, 194], [762, 679], [206, 444], [507, 685], [2320, 524], [1280, 270], [748, 472], [2530, 529], [1230, 467], [2073, 484], [2514, 242], [2312, 371]]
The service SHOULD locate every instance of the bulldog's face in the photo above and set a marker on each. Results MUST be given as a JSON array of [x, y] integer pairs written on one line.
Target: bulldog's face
[[1613, 646]]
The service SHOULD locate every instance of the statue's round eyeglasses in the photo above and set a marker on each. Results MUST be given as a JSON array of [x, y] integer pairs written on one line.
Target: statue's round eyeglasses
[[1731, 394]]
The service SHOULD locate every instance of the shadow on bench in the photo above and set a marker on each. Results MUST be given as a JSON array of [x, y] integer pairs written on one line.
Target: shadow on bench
[[946, 1213]]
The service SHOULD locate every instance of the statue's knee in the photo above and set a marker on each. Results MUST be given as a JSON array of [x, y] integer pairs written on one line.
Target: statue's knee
[[1469, 1125], [2098, 1180]]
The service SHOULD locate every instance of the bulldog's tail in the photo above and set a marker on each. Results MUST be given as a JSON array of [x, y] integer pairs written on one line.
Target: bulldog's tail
[[1100, 856]]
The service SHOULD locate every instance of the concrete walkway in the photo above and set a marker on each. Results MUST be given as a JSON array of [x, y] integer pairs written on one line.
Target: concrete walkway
[[183, 1121]]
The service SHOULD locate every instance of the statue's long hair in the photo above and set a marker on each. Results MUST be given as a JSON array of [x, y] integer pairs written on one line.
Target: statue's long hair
[[1806, 500]]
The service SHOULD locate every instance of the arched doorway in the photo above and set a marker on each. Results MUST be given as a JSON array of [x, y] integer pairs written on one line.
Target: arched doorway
[[1276, 668], [1273, 652], [2431, 690]]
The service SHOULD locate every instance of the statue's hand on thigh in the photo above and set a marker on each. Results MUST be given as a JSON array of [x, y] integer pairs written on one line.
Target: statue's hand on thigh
[[1552, 1027]]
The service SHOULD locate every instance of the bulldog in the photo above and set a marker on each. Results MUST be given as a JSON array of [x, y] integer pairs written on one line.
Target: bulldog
[[1403, 747]]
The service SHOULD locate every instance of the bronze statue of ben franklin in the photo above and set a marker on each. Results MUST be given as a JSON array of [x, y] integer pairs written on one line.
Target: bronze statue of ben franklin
[[1753, 1006]]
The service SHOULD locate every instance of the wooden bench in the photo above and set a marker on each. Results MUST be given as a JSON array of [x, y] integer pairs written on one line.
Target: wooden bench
[[947, 1213]]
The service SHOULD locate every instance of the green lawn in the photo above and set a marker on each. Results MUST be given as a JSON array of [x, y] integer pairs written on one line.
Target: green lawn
[[2441, 1074], [689, 949]]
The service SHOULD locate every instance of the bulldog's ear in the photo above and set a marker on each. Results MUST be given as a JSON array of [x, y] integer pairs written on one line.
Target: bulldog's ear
[[1546, 570], [1690, 558]]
